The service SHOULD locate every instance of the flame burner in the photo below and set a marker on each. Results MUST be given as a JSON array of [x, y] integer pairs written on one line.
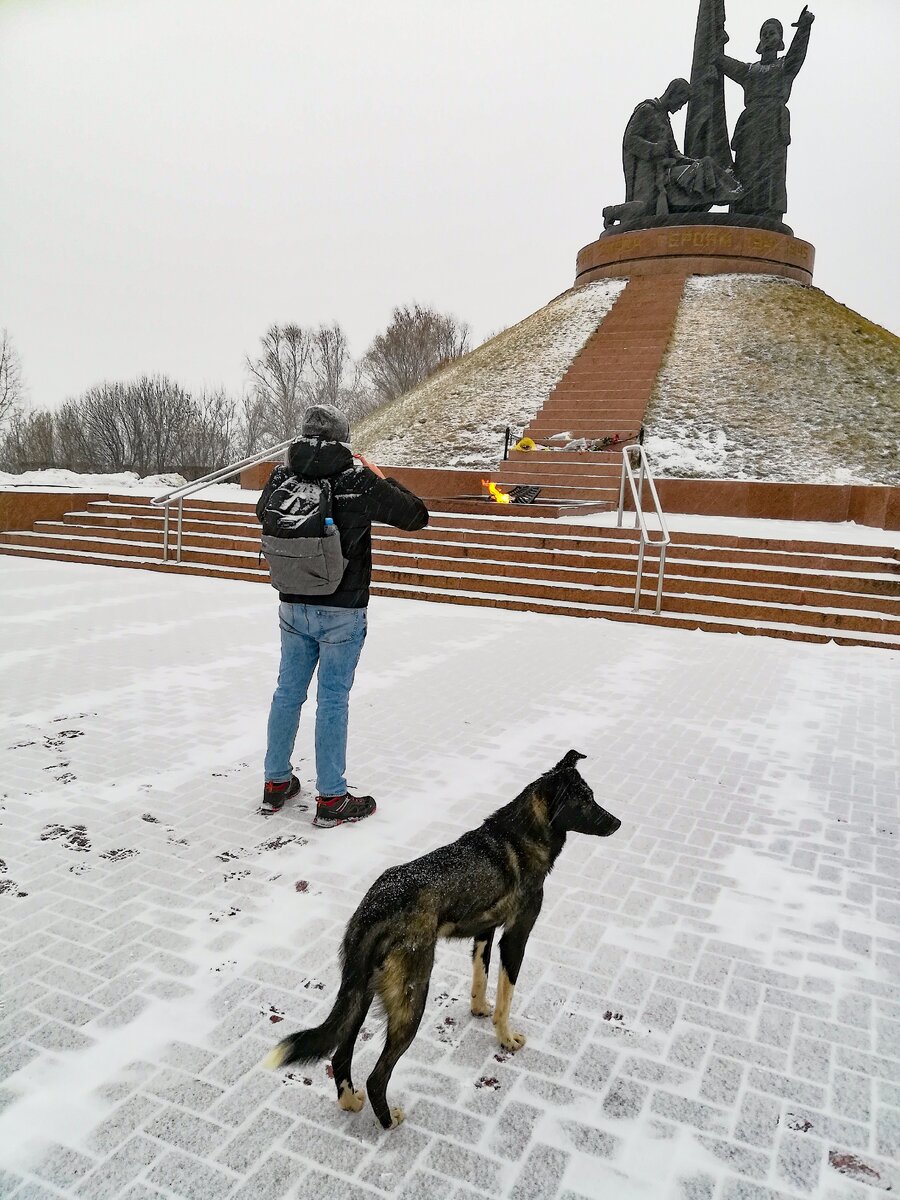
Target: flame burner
[[522, 493], [500, 497]]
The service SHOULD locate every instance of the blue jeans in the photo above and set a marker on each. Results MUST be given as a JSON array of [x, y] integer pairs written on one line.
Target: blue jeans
[[333, 638]]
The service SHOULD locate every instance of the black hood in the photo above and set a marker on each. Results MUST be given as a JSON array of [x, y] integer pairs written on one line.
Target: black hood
[[315, 458]]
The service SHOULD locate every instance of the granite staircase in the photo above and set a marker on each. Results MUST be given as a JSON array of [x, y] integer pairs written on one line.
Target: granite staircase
[[604, 393], [813, 591]]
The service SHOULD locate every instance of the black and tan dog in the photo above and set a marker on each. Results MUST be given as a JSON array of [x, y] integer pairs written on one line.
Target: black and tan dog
[[490, 877]]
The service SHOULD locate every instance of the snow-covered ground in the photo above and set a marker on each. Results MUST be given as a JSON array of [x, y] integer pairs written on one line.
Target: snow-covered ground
[[121, 481], [711, 997]]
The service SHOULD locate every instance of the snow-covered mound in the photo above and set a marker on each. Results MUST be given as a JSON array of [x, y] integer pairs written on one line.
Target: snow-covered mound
[[458, 416], [766, 379]]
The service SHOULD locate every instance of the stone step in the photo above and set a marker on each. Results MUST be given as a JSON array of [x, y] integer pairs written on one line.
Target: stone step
[[592, 430], [612, 376], [606, 481], [153, 521], [238, 537], [709, 623], [590, 466], [625, 396], [614, 371], [698, 561], [602, 559], [589, 412], [111, 546], [688, 602], [134, 500], [510, 535], [802, 589], [676, 583], [144, 564], [620, 403], [611, 457], [197, 511], [770, 551], [456, 595], [560, 422]]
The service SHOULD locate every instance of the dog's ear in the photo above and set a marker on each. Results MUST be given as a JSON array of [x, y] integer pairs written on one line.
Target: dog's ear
[[569, 761]]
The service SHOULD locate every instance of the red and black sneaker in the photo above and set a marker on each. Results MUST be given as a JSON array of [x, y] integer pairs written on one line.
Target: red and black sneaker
[[275, 794], [340, 810]]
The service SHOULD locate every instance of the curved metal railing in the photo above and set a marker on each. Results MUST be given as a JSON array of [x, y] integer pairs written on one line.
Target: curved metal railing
[[177, 495], [637, 491]]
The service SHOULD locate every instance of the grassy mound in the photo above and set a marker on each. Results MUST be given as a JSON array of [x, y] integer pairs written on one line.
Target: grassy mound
[[765, 379]]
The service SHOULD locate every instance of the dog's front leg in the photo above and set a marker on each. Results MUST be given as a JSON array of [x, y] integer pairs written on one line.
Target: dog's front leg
[[512, 951], [481, 960]]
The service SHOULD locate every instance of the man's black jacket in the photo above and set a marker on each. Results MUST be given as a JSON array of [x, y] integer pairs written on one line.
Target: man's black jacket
[[359, 498]]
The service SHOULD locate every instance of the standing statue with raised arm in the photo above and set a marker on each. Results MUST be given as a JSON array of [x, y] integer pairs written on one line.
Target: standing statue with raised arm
[[763, 131]]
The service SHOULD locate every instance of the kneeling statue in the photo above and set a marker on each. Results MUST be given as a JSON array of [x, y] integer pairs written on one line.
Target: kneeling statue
[[659, 179]]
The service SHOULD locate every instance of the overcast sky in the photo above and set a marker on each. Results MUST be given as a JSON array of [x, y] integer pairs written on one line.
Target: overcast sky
[[176, 175]]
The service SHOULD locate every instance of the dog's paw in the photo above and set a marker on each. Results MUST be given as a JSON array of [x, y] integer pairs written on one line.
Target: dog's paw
[[398, 1116], [351, 1101], [511, 1041], [481, 1008]]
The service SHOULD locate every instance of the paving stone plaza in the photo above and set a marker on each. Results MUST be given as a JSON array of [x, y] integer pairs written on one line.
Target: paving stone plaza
[[711, 997]]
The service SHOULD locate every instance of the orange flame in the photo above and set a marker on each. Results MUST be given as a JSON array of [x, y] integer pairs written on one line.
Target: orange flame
[[500, 497]]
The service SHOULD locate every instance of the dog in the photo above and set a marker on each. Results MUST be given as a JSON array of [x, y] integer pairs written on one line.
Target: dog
[[490, 877]]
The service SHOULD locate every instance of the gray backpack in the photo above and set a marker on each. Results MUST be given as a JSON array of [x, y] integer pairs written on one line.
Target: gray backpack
[[300, 540]]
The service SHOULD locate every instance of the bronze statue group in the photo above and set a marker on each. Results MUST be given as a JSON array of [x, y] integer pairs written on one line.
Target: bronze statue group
[[662, 183]]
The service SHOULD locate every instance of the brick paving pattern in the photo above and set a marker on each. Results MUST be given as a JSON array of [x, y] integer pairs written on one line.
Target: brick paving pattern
[[711, 997]]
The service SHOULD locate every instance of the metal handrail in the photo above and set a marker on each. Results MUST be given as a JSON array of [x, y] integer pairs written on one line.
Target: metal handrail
[[167, 499], [637, 491]]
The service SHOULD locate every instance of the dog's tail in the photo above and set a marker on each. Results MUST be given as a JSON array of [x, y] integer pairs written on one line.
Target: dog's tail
[[307, 1045]]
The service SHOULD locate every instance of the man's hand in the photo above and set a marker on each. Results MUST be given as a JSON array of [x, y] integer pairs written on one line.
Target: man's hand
[[805, 19], [365, 462]]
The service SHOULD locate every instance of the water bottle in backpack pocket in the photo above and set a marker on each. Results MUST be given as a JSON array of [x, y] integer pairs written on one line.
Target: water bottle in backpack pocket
[[300, 540]]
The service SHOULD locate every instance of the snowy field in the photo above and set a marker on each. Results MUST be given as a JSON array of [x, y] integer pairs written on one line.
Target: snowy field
[[711, 997], [58, 480]]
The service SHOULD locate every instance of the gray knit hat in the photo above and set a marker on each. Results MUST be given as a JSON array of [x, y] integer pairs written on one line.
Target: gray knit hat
[[324, 420]]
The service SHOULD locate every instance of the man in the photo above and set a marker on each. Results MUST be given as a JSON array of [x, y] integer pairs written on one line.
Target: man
[[659, 179], [329, 630]]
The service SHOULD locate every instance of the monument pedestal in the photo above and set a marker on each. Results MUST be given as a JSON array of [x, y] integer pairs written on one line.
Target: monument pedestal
[[696, 250]]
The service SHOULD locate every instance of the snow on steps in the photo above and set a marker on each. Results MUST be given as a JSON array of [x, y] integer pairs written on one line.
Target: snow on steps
[[816, 591]]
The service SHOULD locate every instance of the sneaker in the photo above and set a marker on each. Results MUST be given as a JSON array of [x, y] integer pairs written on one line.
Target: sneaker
[[337, 810], [275, 794]]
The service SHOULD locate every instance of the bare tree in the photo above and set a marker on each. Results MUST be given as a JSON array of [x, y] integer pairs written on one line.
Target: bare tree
[[251, 425], [29, 443], [12, 388], [338, 380], [330, 363], [279, 379], [149, 426], [298, 367], [417, 341], [211, 437]]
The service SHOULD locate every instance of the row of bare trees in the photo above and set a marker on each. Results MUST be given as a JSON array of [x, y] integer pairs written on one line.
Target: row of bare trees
[[149, 426], [152, 425]]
